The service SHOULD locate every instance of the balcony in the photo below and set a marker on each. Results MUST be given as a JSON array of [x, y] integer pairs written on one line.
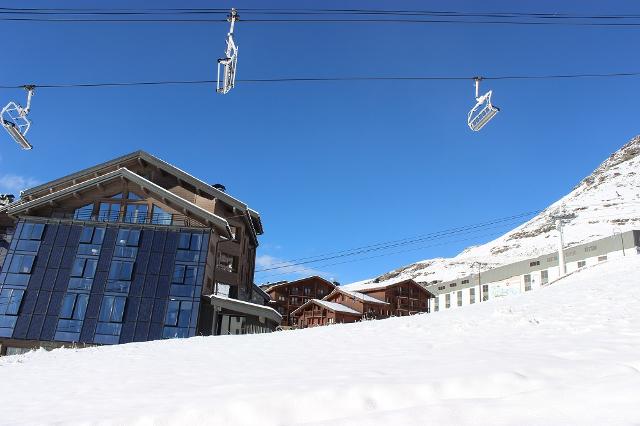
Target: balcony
[[158, 219]]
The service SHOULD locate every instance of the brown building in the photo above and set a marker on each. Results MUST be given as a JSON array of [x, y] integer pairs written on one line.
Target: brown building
[[316, 312], [371, 301], [287, 296], [132, 249], [404, 297]]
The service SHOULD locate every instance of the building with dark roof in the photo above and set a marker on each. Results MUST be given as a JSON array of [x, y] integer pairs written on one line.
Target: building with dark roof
[[132, 249]]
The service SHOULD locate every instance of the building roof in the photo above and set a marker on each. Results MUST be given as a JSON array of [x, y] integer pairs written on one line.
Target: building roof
[[252, 215], [208, 218], [335, 307], [367, 286], [357, 295], [245, 307], [287, 283]]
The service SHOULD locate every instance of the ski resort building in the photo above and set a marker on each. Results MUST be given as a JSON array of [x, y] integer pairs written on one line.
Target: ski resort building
[[132, 249], [355, 302], [530, 274], [287, 296]]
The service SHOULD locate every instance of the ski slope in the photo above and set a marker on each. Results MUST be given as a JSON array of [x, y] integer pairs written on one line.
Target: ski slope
[[566, 354], [606, 201]]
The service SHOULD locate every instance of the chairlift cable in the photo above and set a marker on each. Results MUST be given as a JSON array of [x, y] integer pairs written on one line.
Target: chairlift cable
[[324, 79]]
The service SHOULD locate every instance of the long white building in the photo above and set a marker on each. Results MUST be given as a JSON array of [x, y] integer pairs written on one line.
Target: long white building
[[530, 274]]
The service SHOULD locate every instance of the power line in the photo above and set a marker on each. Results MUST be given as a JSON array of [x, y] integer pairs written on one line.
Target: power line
[[325, 79]]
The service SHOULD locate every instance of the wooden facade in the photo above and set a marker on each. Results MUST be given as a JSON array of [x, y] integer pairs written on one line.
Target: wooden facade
[[315, 313], [288, 296]]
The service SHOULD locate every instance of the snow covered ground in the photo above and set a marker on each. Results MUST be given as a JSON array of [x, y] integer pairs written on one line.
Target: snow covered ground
[[566, 354]]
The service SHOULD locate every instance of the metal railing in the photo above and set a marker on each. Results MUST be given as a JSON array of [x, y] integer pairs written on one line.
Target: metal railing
[[158, 219]]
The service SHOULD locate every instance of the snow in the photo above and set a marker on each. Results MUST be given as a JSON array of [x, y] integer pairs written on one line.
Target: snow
[[605, 202], [361, 296], [566, 354], [337, 307], [370, 285]]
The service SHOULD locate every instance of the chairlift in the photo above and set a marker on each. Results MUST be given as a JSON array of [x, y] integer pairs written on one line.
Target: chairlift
[[15, 121], [227, 65], [483, 111]]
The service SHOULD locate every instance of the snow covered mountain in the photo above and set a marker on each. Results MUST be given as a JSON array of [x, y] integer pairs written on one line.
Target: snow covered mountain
[[563, 355], [605, 202]]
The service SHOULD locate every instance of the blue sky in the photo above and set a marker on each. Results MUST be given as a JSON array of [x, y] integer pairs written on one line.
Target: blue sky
[[332, 166]]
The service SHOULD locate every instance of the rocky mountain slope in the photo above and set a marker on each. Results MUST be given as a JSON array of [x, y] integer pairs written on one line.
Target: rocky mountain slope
[[605, 202]]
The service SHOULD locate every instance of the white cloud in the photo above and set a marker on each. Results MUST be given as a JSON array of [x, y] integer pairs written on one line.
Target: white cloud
[[13, 184], [284, 267]]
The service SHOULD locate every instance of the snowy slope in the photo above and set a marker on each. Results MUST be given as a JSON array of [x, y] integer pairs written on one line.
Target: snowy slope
[[608, 199], [566, 354]]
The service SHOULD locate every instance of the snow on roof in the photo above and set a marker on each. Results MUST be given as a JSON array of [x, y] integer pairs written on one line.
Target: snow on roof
[[335, 306], [358, 295]]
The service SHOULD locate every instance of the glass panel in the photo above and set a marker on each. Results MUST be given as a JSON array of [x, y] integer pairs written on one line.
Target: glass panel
[[80, 283], [81, 306], [108, 328], [86, 235], [105, 309], [89, 249], [78, 267], [27, 245], [128, 252], [67, 305], [185, 314], [187, 256], [196, 241], [160, 216], [134, 196], [172, 313], [118, 195], [121, 271], [118, 309], [134, 237], [84, 212], [178, 274], [184, 241], [69, 326], [109, 212], [98, 235], [136, 213], [118, 286], [190, 275]]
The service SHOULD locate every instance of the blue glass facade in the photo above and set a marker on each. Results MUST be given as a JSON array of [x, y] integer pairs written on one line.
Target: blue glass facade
[[101, 283]]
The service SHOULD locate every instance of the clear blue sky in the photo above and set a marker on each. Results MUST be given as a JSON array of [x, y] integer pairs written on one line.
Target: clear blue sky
[[331, 166]]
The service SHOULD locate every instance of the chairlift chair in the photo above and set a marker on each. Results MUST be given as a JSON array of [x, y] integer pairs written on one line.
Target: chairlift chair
[[227, 66], [483, 111], [15, 121]]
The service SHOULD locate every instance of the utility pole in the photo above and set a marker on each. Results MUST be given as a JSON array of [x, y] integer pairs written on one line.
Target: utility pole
[[561, 219], [619, 232]]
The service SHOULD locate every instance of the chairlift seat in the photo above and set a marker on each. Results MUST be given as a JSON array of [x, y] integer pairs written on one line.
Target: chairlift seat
[[482, 112], [16, 124]]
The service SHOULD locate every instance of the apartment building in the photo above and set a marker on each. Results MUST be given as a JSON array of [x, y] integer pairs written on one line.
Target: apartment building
[[132, 249], [287, 296]]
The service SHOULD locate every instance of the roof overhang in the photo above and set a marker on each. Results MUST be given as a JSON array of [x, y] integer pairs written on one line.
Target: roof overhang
[[247, 308], [356, 295], [286, 283], [207, 218], [253, 215]]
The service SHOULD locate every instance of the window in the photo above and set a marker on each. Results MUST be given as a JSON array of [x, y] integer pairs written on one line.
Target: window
[[84, 212], [188, 241], [485, 292], [235, 233], [136, 213], [527, 282], [447, 300], [121, 270], [91, 235], [436, 304], [185, 275], [178, 313], [223, 289], [10, 300], [307, 291], [160, 216], [83, 267], [465, 281], [21, 264], [472, 295], [582, 263], [453, 284], [590, 248], [74, 306], [281, 298], [602, 258], [227, 262], [544, 277], [536, 263], [442, 287], [32, 231], [460, 298], [109, 212], [112, 309], [127, 243]]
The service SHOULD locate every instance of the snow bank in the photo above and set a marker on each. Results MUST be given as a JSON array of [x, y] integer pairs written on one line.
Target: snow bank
[[566, 354]]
